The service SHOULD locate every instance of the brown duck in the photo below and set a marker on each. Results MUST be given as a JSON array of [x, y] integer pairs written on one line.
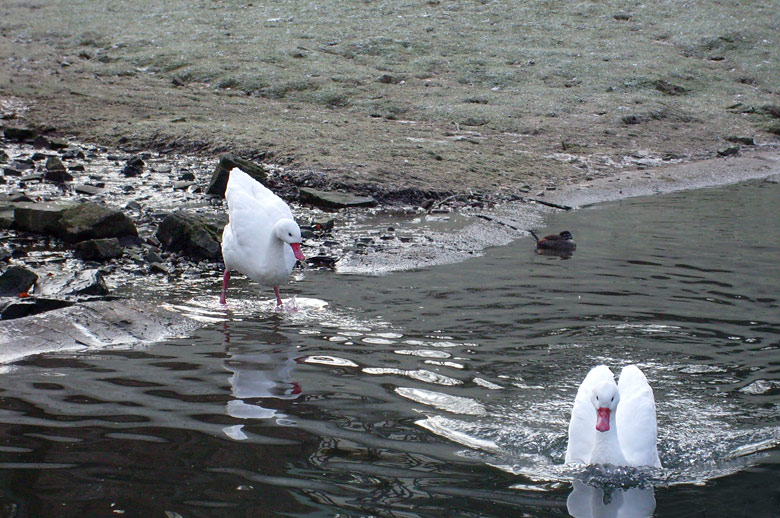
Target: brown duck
[[559, 242]]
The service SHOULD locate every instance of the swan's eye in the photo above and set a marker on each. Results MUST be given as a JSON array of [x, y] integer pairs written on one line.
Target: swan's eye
[[289, 234], [597, 398], [612, 398]]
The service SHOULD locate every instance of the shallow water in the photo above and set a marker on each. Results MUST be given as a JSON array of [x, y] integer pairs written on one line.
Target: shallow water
[[437, 392]]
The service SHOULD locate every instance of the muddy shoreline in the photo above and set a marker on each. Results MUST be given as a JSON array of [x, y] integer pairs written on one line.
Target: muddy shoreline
[[69, 271]]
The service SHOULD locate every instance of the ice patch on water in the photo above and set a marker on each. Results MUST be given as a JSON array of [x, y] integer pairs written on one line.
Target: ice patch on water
[[331, 361], [417, 374], [447, 402]]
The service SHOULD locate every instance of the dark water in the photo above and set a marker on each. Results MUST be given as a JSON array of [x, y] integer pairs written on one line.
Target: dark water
[[439, 392]]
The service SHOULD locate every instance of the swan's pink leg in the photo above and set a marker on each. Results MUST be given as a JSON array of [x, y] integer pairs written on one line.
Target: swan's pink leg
[[225, 280], [278, 296]]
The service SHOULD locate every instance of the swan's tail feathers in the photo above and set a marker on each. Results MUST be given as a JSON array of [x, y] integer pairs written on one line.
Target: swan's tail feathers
[[534, 234]]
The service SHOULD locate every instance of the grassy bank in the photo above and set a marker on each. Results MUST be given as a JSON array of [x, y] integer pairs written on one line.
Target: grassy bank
[[482, 95]]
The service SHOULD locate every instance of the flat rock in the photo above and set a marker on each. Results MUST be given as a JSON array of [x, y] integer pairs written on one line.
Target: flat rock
[[91, 325], [226, 163], [191, 235], [84, 282], [12, 308], [334, 200], [15, 280], [89, 190]]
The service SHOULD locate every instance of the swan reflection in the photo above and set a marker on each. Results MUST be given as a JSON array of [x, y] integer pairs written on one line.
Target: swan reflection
[[593, 502], [259, 375]]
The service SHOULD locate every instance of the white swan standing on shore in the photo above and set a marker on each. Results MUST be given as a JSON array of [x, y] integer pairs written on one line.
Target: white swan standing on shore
[[261, 240], [614, 423]]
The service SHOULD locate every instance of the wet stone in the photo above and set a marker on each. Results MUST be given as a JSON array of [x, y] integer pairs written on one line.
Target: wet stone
[[15, 280], [55, 171], [152, 257], [39, 218], [19, 134], [158, 268], [72, 154], [322, 261], [91, 221], [226, 163], [191, 235], [133, 167], [6, 221], [180, 186], [729, 151], [35, 177], [99, 249], [23, 164], [49, 143], [11, 309], [89, 190], [85, 282]]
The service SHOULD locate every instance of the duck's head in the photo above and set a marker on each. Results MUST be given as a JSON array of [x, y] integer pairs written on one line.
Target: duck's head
[[288, 231], [605, 399], [566, 235]]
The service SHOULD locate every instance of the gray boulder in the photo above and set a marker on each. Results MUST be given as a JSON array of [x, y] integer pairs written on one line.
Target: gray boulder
[[91, 221], [39, 218], [226, 163], [73, 222], [191, 235]]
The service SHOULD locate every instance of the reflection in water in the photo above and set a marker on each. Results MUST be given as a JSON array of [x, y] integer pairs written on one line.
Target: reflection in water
[[563, 254], [593, 502], [261, 371]]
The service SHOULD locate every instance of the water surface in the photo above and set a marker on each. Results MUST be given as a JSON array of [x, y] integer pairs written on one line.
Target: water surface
[[435, 392]]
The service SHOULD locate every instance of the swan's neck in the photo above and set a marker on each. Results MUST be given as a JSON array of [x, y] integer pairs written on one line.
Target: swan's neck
[[607, 448]]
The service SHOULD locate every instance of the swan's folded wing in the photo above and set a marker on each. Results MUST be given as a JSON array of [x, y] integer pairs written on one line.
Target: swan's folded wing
[[636, 419], [582, 426], [241, 183]]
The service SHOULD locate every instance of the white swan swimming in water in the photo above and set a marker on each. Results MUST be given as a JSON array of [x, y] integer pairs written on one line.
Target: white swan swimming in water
[[261, 240], [614, 423]]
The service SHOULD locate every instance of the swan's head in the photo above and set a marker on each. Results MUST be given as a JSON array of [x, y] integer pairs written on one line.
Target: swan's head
[[288, 231], [605, 400]]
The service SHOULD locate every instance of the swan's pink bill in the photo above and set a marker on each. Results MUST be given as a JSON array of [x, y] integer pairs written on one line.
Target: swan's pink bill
[[602, 420], [297, 251]]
